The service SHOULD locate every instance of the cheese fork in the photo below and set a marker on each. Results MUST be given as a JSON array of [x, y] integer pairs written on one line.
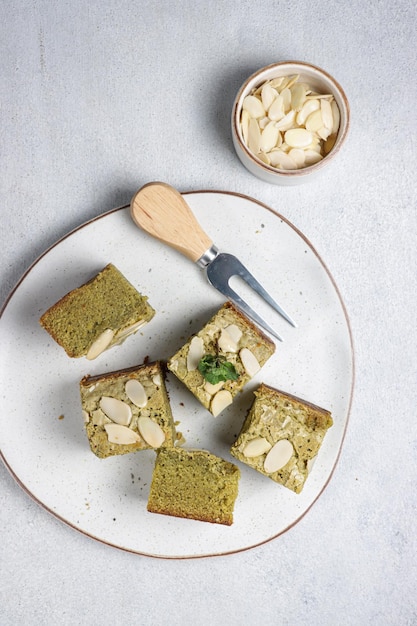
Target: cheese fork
[[161, 211]]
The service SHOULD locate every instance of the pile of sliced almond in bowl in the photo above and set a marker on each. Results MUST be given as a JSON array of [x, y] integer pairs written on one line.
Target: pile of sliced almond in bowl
[[288, 122]]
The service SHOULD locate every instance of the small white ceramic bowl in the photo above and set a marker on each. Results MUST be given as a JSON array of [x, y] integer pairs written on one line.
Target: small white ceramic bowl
[[321, 82]]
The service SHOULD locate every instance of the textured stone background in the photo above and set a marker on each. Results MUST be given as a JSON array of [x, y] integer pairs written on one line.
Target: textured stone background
[[98, 98]]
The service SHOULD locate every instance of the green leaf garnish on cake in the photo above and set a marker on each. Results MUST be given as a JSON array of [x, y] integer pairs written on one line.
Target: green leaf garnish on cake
[[215, 369]]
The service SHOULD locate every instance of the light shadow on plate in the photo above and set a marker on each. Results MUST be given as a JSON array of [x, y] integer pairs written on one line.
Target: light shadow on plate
[[135, 475], [164, 342], [65, 416]]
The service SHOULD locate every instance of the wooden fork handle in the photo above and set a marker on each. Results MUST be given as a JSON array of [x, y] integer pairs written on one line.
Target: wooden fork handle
[[162, 212]]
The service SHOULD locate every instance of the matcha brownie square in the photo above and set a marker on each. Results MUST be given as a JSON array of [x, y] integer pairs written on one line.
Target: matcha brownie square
[[281, 436], [97, 315], [127, 410], [194, 484], [217, 362]]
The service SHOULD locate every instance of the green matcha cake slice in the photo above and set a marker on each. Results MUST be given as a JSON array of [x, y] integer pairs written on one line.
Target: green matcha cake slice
[[281, 436], [97, 315], [127, 410], [217, 362], [194, 484]]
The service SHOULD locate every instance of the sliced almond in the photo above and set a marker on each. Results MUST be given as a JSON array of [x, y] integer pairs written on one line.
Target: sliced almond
[[195, 353], [98, 418], [278, 82], [287, 121], [278, 456], [220, 401], [226, 342], [282, 160], [116, 433], [308, 108], [235, 332], [157, 380], [286, 97], [327, 114], [100, 344], [129, 330], [264, 158], [117, 410], [212, 389], [336, 117], [256, 447], [250, 362], [268, 95], [269, 137], [310, 463], [291, 80], [323, 133], [253, 106], [86, 417], [254, 136], [263, 122], [151, 432], [244, 121], [298, 96], [298, 138], [276, 110], [314, 121], [320, 96], [136, 393], [312, 157], [298, 156]]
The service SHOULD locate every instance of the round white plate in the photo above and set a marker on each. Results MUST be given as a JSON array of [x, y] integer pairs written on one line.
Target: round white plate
[[43, 442]]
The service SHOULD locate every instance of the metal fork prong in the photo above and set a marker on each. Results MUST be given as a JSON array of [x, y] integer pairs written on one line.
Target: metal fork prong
[[226, 265], [230, 294], [256, 285]]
